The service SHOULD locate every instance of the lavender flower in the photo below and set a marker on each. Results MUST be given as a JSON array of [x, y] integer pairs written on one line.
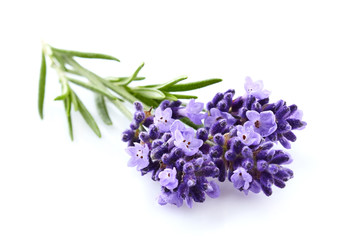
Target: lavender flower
[[163, 119], [263, 123], [170, 197], [241, 179], [168, 178], [187, 142], [256, 89], [212, 189], [139, 156], [215, 115], [193, 111], [247, 135]]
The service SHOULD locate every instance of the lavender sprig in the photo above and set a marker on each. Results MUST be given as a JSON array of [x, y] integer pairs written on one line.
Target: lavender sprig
[[117, 90], [237, 142]]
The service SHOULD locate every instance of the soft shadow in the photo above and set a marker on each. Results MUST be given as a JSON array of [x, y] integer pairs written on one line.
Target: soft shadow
[[214, 212]]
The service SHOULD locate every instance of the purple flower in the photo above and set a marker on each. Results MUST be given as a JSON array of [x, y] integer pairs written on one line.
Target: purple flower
[[168, 178], [139, 156], [193, 111], [215, 115], [177, 125], [247, 135], [170, 197], [241, 178], [299, 115], [212, 189], [263, 123], [163, 119], [256, 88], [187, 142]]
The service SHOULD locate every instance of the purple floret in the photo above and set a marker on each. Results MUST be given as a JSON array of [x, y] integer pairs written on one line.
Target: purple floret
[[256, 88], [241, 179], [193, 111], [139, 156], [168, 178], [247, 135], [263, 123], [163, 119]]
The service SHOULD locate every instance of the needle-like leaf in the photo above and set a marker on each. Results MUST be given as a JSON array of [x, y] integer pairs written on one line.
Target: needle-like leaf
[[92, 88], [169, 84], [102, 109], [42, 83], [149, 92], [65, 90], [170, 96], [132, 77], [67, 106], [119, 79], [180, 96], [85, 54], [74, 101], [193, 85], [88, 117], [190, 123]]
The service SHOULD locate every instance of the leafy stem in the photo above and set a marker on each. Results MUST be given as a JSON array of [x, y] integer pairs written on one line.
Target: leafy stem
[[116, 90]]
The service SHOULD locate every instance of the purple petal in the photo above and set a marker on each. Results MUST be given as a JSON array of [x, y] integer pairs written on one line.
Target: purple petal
[[172, 185], [167, 113], [215, 192], [196, 143], [142, 164], [252, 115], [255, 187], [132, 162], [195, 107], [215, 112], [177, 125], [237, 181], [189, 202]]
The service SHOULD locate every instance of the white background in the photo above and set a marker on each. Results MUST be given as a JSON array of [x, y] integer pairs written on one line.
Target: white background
[[52, 188]]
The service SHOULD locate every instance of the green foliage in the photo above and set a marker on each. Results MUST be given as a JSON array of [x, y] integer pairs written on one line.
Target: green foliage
[[117, 90]]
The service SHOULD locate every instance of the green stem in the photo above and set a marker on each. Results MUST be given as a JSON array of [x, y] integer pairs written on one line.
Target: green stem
[[101, 83], [123, 109]]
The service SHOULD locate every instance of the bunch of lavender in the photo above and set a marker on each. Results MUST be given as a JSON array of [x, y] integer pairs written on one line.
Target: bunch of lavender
[[235, 141]]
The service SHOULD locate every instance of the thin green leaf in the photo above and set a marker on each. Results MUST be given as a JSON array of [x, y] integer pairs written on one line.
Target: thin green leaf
[[190, 123], [62, 97], [65, 90], [152, 86], [67, 102], [92, 88], [74, 101], [180, 96], [85, 54], [88, 117], [118, 79], [170, 96], [70, 126], [132, 77], [102, 109], [169, 84], [67, 106], [149, 102], [193, 85], [149, 93], [123, 109], [42, 83]]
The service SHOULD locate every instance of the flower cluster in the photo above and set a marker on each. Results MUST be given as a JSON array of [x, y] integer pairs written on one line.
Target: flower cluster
[[235, 140]]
